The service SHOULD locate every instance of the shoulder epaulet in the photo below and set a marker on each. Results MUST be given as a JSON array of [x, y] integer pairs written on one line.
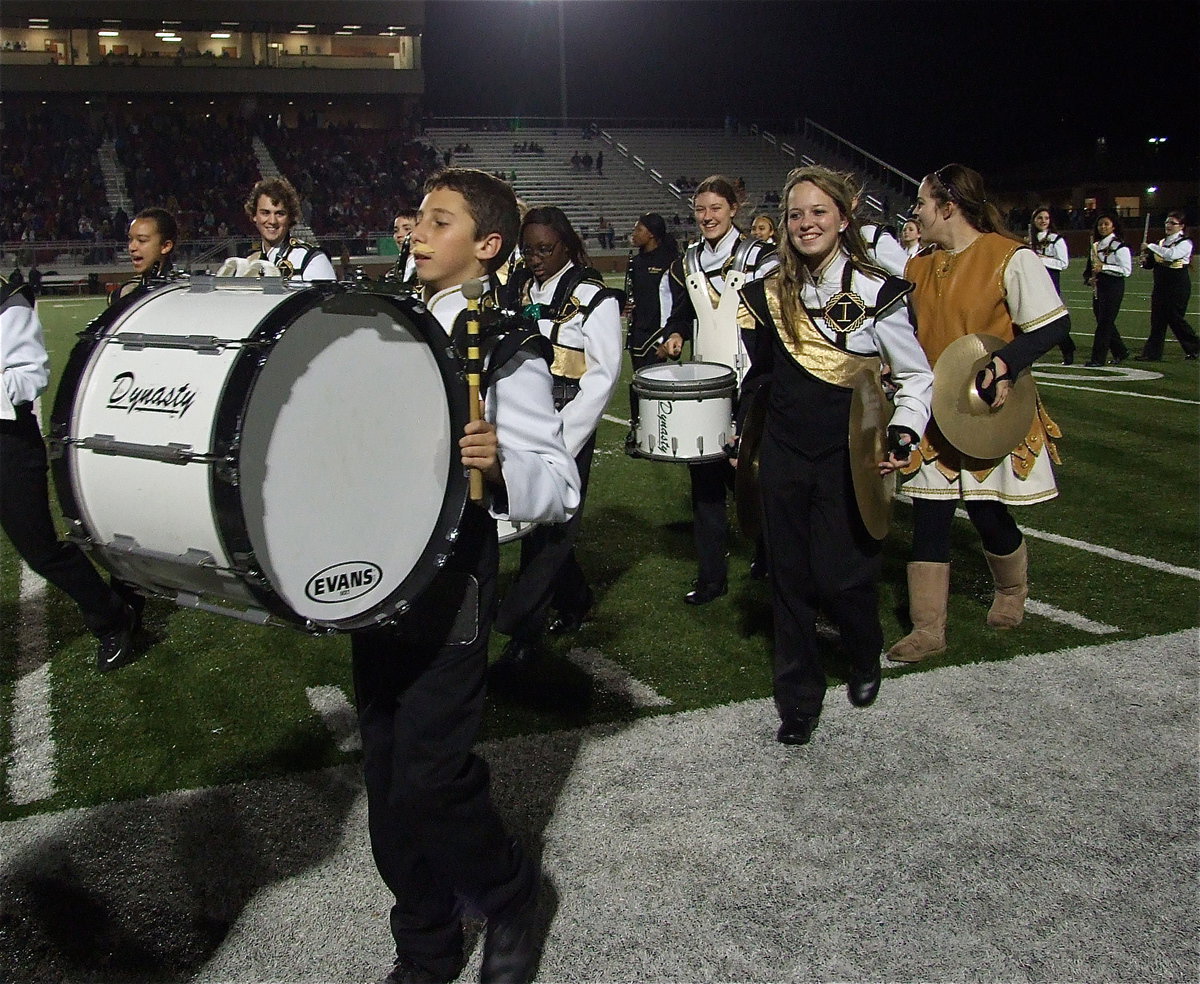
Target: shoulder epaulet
[[754, 296], [894, 290], [302, 243], [8, 290], [519, 336]]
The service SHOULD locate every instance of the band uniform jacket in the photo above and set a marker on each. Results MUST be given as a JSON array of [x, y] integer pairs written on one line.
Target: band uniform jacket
[[297, 258]]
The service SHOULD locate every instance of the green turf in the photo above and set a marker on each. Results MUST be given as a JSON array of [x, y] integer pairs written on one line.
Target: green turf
[[217, 700]]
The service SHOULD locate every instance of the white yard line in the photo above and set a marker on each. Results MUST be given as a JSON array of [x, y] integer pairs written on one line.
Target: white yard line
[[335, 710], [1073, 619], [616, 679], [32, 774], [1117, 392]]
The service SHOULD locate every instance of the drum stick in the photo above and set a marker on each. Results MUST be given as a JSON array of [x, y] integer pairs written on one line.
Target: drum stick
[[473, 291]]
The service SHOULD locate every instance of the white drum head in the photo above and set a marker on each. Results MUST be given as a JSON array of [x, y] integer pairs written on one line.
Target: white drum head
[[345, 459]]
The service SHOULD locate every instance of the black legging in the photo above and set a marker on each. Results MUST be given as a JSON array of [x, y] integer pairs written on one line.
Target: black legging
[[932, 519]]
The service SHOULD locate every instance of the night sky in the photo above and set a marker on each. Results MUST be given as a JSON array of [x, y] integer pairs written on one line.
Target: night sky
[[918, 82]]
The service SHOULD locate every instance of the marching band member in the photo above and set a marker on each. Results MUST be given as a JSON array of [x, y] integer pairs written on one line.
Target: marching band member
[[24, 492], [825, 320], [436, 838], [1109, 263], [705, 308], [1169, 259], [910, 238], [274, 207], [581, 318], [648, 305], [958, 292], [1052, 248], [763, 228], [404, 271], [152, 237], [882, 249]]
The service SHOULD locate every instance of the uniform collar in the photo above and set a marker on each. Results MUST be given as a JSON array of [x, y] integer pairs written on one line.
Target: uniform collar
[[546, 290], [446, 305], [724, 245]]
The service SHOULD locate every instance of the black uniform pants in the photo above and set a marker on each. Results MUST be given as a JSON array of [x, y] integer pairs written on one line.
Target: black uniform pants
[[436, 837], [1168, 309], [25, 517], [1067, 348], [1106, 305], [550, 574], [821, 556], [710, 520]]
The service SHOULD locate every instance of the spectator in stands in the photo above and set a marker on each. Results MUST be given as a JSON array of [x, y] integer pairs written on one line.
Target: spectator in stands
[[763, 228], [600, 164], [273, 206], [1109, 263]]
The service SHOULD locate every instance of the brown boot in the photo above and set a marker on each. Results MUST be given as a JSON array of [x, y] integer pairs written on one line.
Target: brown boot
[[928, 593], [1012, 588]]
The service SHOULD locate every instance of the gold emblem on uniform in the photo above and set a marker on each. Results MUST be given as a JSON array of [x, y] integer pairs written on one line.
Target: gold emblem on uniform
[[845, 312]]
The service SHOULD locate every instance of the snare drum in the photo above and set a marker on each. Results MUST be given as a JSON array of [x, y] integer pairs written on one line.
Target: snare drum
[[276, 454], [684, 411]]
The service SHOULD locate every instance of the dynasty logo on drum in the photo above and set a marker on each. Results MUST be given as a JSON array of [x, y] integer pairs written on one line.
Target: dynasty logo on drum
[[128, 396], [343, 582], [664, 434]]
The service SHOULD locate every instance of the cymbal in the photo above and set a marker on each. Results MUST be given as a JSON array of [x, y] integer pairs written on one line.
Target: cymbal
[[965, 420]]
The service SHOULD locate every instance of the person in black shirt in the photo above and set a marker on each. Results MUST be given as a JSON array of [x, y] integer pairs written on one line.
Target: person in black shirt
[[648, 304]]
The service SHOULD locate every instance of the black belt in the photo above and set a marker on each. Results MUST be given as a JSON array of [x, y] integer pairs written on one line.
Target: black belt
[[565, 389]]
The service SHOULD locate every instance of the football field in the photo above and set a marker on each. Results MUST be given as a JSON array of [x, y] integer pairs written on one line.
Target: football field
[[215, 701]]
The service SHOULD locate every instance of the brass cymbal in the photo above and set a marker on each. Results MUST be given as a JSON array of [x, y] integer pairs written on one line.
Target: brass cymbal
[[966, 421], [869, 414]]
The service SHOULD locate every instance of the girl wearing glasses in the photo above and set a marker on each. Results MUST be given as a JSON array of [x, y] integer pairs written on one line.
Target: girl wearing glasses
[[957, 292], [1169, 259], [724, 335], [581, 318]]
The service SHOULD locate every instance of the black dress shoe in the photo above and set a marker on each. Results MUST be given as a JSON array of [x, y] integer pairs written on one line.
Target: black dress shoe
[[116, 646], [571, 621], [518, 654], [1118, 359], [1068, 360], [702, 594], [758, 570], [797, 729], [1145, 358], [1192, 356], [510, 948], [862, 693], [408, 971], [1093, 365]]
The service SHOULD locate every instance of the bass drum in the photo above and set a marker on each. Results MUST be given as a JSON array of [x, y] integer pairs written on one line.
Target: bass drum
[[274, 454]]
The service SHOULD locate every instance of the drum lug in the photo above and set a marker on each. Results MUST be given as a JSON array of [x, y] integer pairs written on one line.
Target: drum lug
[[226, 470], [56, 447]]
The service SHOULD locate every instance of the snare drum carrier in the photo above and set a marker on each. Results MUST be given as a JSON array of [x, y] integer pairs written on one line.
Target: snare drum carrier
[[274, 453]]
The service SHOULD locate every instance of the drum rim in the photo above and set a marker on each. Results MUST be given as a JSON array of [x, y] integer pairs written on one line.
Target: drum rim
[[441, 540], [653, 388]]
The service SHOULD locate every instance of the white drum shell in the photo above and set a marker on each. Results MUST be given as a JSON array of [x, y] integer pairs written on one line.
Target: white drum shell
[[684, 411]]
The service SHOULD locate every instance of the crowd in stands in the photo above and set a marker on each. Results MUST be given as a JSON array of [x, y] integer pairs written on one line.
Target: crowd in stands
[[351, 178], [50, 182], [190, 165]]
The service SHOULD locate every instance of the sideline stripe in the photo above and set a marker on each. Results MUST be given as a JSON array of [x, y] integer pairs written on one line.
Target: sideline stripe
[[335, 710], [32, 775], [616, 679], [1117, 392], [1073, 619]]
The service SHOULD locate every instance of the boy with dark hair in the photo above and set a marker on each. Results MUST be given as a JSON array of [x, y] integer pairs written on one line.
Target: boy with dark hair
[[404, 270], [436, 837], [274, 207]]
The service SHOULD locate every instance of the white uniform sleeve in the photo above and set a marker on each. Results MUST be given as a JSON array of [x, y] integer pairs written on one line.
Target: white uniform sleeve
[[1029, 292], [1179, 251], [602, 351], [319, 268], [540, 477], [891, 256], [1120, 263], [23, 354], [897, 342], [1057, 257]]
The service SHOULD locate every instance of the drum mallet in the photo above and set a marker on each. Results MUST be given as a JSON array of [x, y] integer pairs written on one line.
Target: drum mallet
[[473, 291]]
